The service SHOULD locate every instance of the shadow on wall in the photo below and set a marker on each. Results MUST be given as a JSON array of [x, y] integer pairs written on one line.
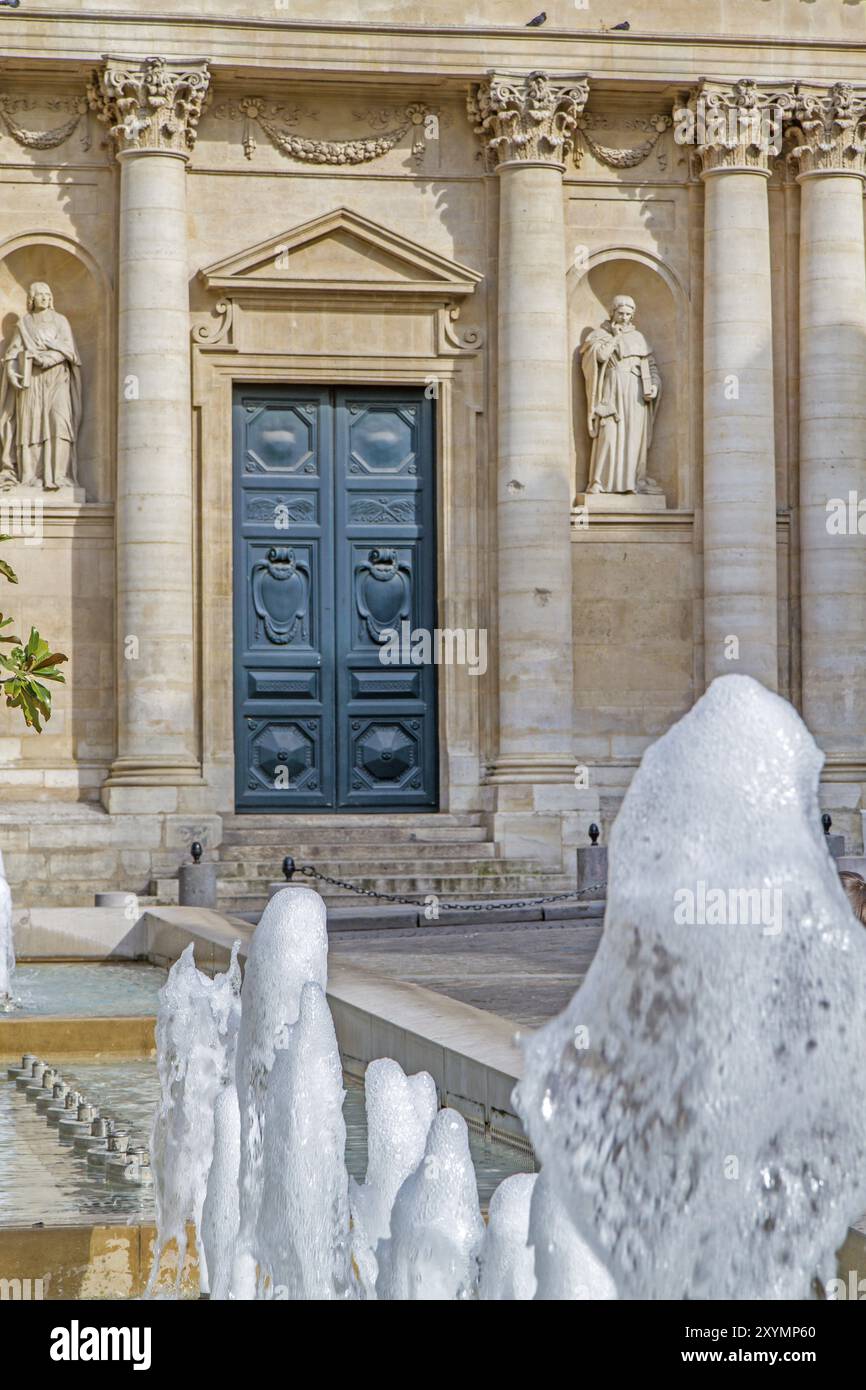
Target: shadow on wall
[[658, 317]]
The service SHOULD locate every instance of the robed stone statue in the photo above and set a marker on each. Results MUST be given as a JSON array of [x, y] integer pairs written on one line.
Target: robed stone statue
[[623, 386], [40, 398]]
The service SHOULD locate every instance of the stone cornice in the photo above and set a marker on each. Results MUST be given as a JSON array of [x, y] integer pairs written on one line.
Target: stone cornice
[[527, 118], [151, 105], [830, 129], [734, 126]]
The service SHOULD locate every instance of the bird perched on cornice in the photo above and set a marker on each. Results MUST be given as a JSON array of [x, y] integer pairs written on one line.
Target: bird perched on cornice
[[537, 21], [625, 25], [11, 4]]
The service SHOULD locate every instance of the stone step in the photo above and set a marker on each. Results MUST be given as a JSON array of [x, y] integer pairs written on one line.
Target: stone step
[[381, 866], [353, 820], [408, 885], [344, 851], [306, 835]]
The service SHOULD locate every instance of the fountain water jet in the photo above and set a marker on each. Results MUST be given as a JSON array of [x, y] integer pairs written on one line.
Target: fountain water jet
[[400, 1111], [302, 1234], [506, 1262], [700, 1106], [436, 1223], [196, 1031], [289, 948], [566, 1270], [221, 1211]]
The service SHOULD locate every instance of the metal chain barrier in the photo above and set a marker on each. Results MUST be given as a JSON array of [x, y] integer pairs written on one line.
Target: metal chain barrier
[[310, 871]]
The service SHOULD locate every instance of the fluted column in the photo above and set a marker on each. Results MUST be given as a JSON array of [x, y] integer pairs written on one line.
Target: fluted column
[[832, 165], [739, 477], [152, 109], [527, 125]]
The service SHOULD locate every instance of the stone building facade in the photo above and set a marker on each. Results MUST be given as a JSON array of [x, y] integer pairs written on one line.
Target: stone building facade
[[331, 273]]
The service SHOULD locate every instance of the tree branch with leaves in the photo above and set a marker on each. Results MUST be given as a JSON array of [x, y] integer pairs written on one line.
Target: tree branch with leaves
[[29, 665]]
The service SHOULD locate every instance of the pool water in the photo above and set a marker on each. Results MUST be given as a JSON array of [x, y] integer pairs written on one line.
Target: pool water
[[88, 990], [44, 1181]]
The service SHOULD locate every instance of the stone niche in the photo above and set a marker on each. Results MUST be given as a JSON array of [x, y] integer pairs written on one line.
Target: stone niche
[[79, 295], [662, 317]]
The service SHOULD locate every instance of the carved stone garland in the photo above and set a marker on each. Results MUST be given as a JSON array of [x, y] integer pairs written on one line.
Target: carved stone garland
[[357, 151], [613, 156], [44, 139], [247, 108]]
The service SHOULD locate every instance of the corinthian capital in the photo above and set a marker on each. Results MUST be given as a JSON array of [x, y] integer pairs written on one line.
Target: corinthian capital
[[150, 105], [530, 117], [734, 126], [831, 129]]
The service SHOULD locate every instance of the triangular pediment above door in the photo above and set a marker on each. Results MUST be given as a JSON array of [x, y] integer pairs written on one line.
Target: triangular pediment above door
[[341, 253]]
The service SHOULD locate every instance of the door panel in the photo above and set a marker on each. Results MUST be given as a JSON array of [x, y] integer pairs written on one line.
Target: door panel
[[334, 548], [386, 714], [284, 604]]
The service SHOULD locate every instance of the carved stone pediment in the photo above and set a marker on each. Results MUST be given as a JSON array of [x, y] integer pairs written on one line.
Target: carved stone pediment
[[341, 254]]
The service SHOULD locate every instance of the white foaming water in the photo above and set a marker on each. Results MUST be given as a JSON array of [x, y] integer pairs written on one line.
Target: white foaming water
[[302, 1235], [436, 1223], [565, 1267], [700, 1107], [196, 1028], [289, 948], [507, 1263], [7, 947], [400, 1111], [220, 1214]]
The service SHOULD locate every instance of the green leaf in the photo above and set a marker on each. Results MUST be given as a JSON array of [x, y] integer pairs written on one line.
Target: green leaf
[[25, 662]]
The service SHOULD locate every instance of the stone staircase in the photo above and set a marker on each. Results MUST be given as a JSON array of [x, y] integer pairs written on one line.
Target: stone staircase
[[408, 854]]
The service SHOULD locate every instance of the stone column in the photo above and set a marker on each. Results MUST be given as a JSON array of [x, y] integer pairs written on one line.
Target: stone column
[[832, 165], [527, 124], [734, 130], [152, 110]]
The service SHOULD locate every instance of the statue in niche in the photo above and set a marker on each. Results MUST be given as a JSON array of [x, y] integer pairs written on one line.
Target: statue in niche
[[623, 387], [40, 398]]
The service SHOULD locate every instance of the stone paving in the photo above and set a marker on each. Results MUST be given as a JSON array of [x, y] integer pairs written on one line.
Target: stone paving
[[525, 972]]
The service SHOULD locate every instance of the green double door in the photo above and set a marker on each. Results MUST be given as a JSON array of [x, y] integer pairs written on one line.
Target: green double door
[[333, 550]]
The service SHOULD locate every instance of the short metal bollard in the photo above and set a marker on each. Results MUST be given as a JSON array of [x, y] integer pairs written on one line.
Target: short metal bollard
[[197, 882], [835, 843], [288, 875], [592, 862]]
